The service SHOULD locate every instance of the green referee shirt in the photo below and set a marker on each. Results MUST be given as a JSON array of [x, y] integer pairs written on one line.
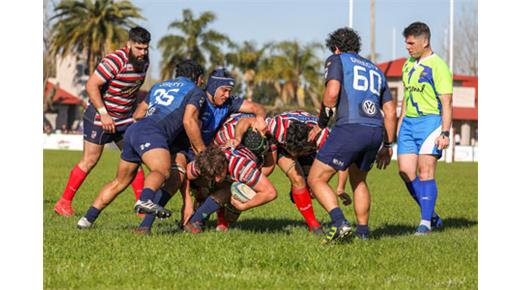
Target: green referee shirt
[[424, 82]]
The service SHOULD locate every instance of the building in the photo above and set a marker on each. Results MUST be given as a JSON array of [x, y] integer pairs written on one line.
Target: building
[[465, 100]]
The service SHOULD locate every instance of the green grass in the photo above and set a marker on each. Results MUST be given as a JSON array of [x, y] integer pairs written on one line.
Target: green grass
[[269, 246]]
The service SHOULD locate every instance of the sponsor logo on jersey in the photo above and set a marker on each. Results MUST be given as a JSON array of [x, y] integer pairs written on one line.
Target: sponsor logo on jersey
[[369, 108]]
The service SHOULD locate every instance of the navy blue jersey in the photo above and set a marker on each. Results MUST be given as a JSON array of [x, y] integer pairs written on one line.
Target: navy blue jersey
[[364, 89], [212, 116], [167, 101]]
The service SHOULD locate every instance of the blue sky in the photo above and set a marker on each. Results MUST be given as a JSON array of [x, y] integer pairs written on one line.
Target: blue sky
[[303, 20]]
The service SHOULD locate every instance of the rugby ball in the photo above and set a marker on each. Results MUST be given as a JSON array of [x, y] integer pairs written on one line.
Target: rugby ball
[[242, 191]]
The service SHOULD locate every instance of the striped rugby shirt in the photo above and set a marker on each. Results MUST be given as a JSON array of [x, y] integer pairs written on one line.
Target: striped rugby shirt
[[227, 131], [122, 83], [242, 166], [277, 126]]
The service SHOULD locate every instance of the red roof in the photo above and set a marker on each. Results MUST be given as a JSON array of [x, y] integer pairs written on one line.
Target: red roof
[[63, 96], [393, 69]]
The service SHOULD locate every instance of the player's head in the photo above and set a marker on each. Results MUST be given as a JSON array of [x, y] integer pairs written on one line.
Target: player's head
[[138, 44], [345, 40], [191, 70], [212, 163], [220, 85], [255, 142], [417, 38], [296, 139]]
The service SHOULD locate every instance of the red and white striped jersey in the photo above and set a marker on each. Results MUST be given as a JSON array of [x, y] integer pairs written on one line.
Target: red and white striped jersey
[[122, 82], [277, 126], [242, 166], [227, 130]]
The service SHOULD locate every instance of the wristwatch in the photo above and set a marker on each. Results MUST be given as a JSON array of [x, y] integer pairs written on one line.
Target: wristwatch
[[445, 134]]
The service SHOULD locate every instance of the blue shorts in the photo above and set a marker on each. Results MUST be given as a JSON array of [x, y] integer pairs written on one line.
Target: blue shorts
[[351, 143], [182, 145], [95, 133], [417, 135], [140, 138]]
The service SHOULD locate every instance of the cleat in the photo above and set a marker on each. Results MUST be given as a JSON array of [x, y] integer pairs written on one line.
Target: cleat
[[64, 208], [163, 213], [193, 228], [222, 224], [153, 208], [222, 228], [362, 236], [345, 198], [423, 230], [144, 231], [337, 233], [84, 224], [317, 230], [436, 222]]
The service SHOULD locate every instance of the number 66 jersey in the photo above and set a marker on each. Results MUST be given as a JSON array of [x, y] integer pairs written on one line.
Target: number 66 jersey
[[363, 89]]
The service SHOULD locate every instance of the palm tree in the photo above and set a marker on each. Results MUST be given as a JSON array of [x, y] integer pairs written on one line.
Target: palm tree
[[247, 59], [294, 66], [194, 42], [91, 27]]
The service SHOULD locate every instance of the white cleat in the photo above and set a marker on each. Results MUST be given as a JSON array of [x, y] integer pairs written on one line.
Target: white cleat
[[83, 223]]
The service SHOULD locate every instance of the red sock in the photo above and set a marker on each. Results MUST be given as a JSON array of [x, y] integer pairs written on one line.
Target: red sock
[[302, 200], [138, 183], [221, 220], [75, 180]]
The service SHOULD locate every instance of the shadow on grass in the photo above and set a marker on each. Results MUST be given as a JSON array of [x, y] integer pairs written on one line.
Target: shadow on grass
[[389, 230], [268, 225]]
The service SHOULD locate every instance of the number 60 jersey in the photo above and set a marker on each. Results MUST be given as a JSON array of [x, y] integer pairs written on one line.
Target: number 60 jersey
[[167, 101], [363, 89]]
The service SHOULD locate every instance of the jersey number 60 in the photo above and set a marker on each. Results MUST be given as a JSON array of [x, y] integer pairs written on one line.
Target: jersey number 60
[[361, 82]]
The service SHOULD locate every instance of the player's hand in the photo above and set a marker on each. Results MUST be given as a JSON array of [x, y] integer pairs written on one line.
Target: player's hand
[[238, 204], [314, 133], [108, 123], [232, 143], [384, 156], [260, 126], [442, 142]]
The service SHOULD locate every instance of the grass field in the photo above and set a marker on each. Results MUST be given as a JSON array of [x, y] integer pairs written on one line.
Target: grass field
[[269, 247]]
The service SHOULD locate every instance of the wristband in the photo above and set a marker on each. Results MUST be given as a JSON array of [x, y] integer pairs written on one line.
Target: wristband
[[102, 111], [445, 134], [325, 114], [387, 144]]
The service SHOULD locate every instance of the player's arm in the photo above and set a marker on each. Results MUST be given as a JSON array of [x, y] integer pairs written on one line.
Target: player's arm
[[187, 202], [92, 87], [265, 192], [260, 114], [328, 107], [241, 127], [401, 116], [384, 155], [443, 141]]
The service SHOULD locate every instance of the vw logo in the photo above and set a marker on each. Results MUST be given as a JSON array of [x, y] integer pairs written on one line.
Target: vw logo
[[369, 107]]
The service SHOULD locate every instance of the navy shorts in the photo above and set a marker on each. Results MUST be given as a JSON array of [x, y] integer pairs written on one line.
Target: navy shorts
[[95, 133], [351, 143], [182, 145], [142, 137]]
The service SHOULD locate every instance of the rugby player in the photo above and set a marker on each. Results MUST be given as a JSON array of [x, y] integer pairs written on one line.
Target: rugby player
[[112, 91], [149, 141], [359, 90], [425, 122]]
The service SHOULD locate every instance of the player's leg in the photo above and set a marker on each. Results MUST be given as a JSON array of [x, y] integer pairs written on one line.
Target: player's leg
[[138, 182], [125, 174], [340, 189], [214, 202], [362, 199], [299, 191], [91, 154], [428, 192]]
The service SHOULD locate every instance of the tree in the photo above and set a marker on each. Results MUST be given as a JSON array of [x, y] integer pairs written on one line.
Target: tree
[[91, 28], [246, 58], [194, 42]]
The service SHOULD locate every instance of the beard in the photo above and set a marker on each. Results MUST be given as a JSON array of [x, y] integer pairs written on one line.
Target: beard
[[138, 64]]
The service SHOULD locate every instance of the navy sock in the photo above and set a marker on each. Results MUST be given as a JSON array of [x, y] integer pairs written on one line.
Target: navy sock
[[337, 217], [362, 229], [92, 214], [428, 198], [162, 197], [147, 194], [205, 210]]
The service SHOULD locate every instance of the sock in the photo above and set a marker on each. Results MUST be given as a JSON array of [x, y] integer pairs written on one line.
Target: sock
[[302, 200], [161, 198], [147, 194], [337, 217], [413, 188], [205, 210], [221, 220], [138, 183], [77, 176], [428, 197], [362, 229], [92, 214]]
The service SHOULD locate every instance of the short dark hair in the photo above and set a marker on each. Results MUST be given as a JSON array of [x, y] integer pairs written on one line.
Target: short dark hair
[[345, 39], [255, 142], [189, 69], [139, 35], [211, 162], [417, 29], [296, 139]]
